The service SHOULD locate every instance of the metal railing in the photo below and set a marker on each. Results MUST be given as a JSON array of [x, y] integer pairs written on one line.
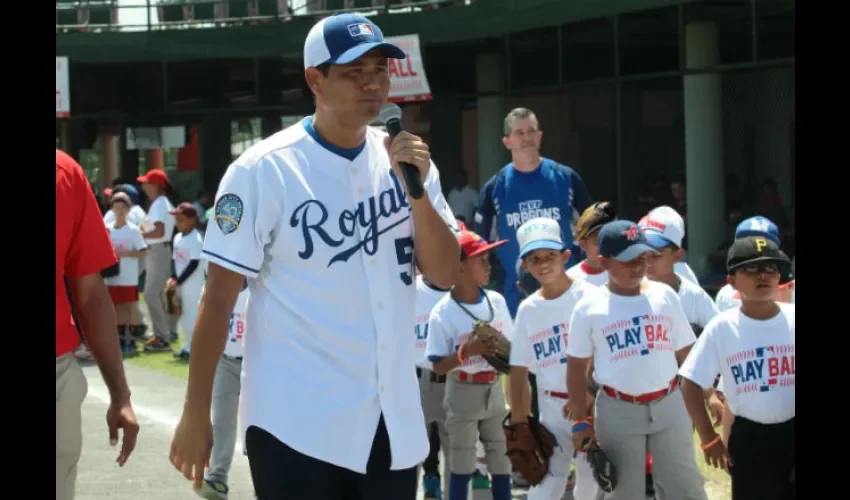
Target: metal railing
[[151, 15]]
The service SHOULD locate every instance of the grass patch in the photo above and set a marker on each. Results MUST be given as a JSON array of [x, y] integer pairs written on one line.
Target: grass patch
[[162, 361]]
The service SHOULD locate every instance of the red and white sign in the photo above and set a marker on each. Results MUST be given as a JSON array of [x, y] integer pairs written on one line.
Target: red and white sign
[[63, 95], [407, 76]]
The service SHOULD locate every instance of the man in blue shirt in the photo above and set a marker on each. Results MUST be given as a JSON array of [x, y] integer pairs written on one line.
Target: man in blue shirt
[[529, 186]]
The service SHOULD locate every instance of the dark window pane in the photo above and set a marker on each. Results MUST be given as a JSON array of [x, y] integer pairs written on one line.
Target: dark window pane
[[588, 52], [649, 41], [775, 25], [534, 58]]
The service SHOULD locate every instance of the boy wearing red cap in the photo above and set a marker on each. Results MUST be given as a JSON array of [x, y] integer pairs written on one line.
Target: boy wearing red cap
[[157, 230], [475, 399], [187, 277]]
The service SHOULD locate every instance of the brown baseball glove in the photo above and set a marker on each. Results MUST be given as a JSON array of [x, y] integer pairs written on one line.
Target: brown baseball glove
[[171, 302], [530, 445], [501, 360]]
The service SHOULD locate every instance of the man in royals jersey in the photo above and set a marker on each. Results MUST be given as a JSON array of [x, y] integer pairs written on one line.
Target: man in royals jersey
[[528, 187]]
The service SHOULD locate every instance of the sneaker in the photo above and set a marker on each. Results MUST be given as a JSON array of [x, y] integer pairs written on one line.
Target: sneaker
[[213, 490], [156, 344], [181, 355], [480, 481], [432, 486], [571, 480], [128, 348], [650, 486], [83, 353], [173, 336]]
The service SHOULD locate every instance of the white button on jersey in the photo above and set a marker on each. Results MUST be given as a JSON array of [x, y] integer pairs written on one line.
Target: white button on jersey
[[286, 216], [449, 327], [541, 335], [756, 360], [633, 340], [426, 299]]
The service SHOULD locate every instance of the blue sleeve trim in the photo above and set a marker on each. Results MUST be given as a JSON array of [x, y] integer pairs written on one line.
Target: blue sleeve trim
[[225, 259], [435, 359]]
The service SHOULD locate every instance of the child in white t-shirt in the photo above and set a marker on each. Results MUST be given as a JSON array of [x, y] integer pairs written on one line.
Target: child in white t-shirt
[[129, 247], [636, 334], [474, 400], [188, 276], [539, 344], [587, 229], [753, 348]]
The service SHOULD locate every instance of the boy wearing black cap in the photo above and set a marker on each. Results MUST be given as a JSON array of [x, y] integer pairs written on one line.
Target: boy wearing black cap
[[636, 334], [753, 348]]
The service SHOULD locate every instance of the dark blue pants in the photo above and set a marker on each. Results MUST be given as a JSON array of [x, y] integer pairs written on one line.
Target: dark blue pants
[[281, 473]]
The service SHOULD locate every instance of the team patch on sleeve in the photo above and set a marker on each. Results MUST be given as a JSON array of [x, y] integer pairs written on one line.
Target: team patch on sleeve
[[228, 212]]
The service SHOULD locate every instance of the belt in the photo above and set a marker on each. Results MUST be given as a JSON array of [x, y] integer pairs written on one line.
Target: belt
[[478, 378], [649, 397], [234, 358], [432, 377], [556, 394]]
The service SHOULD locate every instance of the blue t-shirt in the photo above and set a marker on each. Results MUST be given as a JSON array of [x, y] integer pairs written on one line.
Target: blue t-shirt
[[511, 198]]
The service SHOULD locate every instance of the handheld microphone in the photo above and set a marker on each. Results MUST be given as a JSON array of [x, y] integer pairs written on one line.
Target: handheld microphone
[[391, 116]]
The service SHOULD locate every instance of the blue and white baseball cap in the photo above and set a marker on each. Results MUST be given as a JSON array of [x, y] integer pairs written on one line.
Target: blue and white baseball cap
[[663, 226], [623, 240], [758, 226], [539, 233], [343, 38]]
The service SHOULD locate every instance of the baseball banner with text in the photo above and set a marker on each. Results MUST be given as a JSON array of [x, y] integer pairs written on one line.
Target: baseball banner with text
[[63, 96], [407, 77]]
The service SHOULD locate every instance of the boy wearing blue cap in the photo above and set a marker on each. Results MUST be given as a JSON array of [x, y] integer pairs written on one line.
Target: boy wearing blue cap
[[541, 333], [636, 334]]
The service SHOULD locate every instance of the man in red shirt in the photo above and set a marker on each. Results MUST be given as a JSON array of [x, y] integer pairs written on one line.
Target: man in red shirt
[[83, 249]]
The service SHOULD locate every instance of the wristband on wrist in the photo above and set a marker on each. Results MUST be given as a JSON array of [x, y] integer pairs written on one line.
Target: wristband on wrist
[[580, 425], [710, 443]]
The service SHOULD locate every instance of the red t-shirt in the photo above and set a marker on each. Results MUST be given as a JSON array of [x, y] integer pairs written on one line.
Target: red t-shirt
[[82, 242]]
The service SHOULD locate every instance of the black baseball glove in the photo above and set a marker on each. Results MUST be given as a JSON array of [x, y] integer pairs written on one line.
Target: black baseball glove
[[604, 471], [501, 360]]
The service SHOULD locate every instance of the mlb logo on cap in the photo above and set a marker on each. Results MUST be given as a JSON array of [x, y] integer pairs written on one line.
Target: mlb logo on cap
[[344, 38], [663, 226], [623, 240], [359, 29], [539, 233]]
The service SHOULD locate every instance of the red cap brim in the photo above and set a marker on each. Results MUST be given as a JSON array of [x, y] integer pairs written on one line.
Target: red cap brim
[[487, 248]]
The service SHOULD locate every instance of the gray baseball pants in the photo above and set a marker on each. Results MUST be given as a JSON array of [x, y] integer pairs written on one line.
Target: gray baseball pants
[[626, 431], [225, 413], [476, 411], [158, 266], [432, 395]]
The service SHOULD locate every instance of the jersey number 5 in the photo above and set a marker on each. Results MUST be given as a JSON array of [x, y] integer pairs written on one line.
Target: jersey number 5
[[404, 254]]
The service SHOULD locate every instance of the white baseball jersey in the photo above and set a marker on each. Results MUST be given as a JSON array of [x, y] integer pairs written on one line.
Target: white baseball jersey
[[159, 212], [599, 277], [186, 248], [449, 327], [328, 245], [136, 215], [755, 359], [235, 346], [126, 238], [540, 335], [632, 339], [426, 298], [697, 304], [729, 298]]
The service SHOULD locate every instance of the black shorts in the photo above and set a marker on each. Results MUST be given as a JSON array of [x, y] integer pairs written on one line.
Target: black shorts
[[763, 460], [281, 473]]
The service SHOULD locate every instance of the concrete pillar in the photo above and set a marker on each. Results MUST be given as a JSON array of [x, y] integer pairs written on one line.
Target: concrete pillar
[[703, 146], [489, 77], [110, 151], [154, 159], [213, 149]]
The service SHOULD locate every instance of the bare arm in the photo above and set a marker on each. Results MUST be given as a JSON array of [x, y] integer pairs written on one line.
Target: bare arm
[[437, 248], [577, 370], [682, 354], [520, 394], [210, 335], [446, 365], [157, 232], [97, 321], [695, 402], [134, 254]]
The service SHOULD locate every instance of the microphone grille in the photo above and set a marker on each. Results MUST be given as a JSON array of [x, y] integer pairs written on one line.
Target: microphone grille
[[390, 111]]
